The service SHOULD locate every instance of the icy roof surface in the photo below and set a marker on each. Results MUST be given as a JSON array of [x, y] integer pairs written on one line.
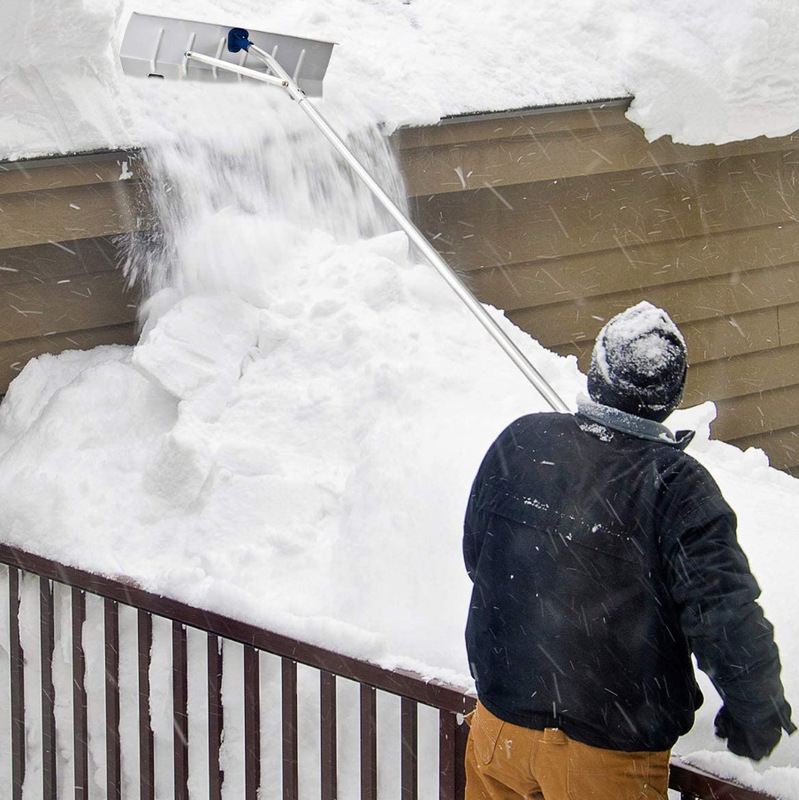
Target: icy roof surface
[[712, 72]]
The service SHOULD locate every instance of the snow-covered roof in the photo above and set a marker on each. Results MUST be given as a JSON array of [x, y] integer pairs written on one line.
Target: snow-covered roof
[[712, 72]]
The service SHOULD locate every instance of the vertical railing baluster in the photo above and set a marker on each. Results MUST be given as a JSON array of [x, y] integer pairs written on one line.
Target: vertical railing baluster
[[328, 740], [252, 723], [290, 746], [452, 737], [46, 649], [112, 744], [409, 742], [215, 717], [146, 738], [368, 742], [180, 710], [17, 680], [80, 704]]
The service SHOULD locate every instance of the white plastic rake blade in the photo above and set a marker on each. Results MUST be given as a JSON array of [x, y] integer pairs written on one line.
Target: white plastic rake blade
[[156, 46]]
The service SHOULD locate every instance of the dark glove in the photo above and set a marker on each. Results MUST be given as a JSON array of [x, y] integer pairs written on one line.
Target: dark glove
[[752, 741]]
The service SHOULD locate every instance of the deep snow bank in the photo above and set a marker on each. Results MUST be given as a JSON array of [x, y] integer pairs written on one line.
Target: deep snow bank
[[59, 78], [305, 465], [325, 442], [711, 73]]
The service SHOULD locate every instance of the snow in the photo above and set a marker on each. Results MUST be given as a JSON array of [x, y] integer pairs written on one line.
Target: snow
[[710, 74], [293, 439]]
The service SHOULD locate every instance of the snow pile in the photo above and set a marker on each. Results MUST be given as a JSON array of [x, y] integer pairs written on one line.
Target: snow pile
[[305, 466], [293, 440], [59, 77], [714, 73], [239, 453]]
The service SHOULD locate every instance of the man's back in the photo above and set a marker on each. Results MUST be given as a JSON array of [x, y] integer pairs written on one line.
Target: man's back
[[576, 538]]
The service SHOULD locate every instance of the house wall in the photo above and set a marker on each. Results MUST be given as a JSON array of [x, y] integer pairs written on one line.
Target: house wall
[[564, 217], [560, 216], [60, 286]]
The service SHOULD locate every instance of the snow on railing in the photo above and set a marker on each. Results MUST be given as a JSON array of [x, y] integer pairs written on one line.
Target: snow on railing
[[54, 737]]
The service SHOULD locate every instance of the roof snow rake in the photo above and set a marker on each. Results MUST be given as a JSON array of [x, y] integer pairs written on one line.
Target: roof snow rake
[[162, 47]]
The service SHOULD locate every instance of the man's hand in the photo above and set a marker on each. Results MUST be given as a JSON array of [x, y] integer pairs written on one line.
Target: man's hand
[[752, 741]]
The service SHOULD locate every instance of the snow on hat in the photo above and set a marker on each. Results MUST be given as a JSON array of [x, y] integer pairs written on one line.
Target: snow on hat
[[639, 363]]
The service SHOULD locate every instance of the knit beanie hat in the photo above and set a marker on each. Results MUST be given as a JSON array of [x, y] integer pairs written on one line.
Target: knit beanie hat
[[639, 363]]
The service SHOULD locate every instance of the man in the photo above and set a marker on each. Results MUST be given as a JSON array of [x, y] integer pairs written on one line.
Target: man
[[602, 556]]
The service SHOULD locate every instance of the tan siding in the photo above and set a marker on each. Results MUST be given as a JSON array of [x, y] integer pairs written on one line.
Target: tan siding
[[750, 373], [57, 260], [74, 212], [60, 283], [789, 324], [577, 277], [58, 173], [552, 219], [755, 414], [68, 304], [689, 301], [565, 218], [522, 157], [782, 447], [14, 355]]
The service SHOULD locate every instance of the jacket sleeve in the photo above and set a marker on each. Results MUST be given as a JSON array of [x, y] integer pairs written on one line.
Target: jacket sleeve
[[711, 582], [493, 466], [475, 522]]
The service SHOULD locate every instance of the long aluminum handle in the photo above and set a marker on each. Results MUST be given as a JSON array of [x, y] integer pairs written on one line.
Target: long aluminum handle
[[414, 234]]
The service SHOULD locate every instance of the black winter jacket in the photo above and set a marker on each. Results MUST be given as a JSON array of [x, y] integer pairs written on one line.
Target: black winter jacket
[[600, 561]]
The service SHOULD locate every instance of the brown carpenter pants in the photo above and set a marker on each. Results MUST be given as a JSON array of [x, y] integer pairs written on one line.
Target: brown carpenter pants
[[506, 762]]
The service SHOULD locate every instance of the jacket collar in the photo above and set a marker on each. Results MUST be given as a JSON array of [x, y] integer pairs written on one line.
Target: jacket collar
[[631, 424]]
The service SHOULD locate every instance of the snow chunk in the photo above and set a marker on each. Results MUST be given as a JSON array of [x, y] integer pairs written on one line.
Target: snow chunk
[[196, 350]]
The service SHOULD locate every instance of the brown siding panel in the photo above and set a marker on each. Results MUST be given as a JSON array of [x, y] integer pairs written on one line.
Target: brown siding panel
[[755, 414], [57, 260], [575, 277], [552, 219], [14, 355], [688, 302], [41, 308], [553, 155], [57, 173], [567, 217], [60, 282], [743, 375], [789, 324], [75, 212], [782, 447]]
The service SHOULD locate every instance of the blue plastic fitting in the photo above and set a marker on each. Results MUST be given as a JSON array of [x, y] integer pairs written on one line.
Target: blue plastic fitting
[[238, 39]]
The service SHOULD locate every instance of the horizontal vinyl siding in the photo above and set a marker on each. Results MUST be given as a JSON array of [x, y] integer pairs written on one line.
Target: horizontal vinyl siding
[[565, 218], [560, 217], [60, 283]]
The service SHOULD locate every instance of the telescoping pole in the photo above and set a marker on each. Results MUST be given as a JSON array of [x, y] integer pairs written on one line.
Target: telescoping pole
[[282, 78]]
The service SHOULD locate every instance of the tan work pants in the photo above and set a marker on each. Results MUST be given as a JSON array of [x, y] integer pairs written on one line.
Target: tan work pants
[[506, 762]]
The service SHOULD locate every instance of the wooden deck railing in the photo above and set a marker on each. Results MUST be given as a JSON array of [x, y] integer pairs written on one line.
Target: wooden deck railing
[[449, 702]]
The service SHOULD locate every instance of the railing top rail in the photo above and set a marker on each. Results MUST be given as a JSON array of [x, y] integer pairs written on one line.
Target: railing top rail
[[434, 693], [693, 781]]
